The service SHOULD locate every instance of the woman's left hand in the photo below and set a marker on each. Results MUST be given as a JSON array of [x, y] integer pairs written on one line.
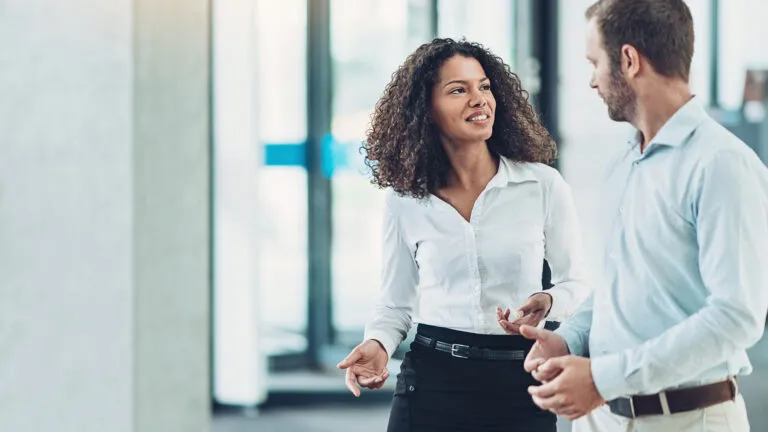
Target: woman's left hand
[[531, 313]]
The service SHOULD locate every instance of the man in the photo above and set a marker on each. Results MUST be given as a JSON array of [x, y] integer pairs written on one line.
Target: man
[[683, 289]]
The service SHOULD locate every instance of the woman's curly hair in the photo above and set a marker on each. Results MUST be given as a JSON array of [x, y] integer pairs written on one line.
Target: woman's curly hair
[[402, 147]]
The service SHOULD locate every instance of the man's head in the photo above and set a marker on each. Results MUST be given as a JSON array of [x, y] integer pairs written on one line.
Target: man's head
[[633, 44]]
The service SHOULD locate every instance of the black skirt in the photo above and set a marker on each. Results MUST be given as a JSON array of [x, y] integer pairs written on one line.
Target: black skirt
[[438, 392]]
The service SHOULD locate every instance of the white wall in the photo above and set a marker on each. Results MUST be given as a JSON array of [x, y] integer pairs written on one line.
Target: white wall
[[103, 216]]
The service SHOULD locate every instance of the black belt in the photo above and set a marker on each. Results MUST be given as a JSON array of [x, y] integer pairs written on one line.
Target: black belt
[[469, 352], [675, 401]]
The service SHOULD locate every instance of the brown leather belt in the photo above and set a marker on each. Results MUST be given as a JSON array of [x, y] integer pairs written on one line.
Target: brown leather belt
[[675, 401]]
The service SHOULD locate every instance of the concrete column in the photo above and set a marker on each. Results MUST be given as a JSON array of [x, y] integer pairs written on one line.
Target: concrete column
[[104, 215]]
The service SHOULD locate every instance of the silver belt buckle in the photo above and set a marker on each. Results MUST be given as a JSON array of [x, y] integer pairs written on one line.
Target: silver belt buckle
[[460, 351], [632, 406]]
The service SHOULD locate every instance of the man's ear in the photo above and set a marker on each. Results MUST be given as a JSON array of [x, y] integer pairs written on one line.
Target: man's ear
[[630, 61]]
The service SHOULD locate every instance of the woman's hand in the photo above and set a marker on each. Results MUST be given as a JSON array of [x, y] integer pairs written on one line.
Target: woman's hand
[[531, 313], [366, 365]]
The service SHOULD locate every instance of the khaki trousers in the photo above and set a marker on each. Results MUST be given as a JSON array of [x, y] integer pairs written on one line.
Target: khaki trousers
[[728, 416]]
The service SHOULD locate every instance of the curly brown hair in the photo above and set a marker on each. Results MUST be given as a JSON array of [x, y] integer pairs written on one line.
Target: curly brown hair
[[402, 146]]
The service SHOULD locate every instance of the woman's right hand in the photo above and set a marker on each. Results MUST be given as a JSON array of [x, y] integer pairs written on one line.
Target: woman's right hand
[[366, 365]]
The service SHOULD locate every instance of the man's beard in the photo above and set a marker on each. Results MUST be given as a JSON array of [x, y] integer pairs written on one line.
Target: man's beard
[[621, 99]]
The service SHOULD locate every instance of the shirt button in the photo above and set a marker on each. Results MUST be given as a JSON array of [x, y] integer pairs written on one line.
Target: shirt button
[[621, 209]]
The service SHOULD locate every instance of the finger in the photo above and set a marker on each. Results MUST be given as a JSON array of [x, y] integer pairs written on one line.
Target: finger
[[382, 381], [506, 313], [555, 363], [532, 362], [350, 381], [351, 359], [367, 378], [551, 403], [544, 391], [499, 314], [526, 308], [368, 381], [530, 332], [545, 376], [509, 327], [531, 319]]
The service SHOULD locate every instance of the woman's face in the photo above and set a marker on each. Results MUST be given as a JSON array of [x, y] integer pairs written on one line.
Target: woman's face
[[463, 105]]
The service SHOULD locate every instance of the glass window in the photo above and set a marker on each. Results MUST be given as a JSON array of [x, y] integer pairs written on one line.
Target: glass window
[[370, 39], [281, 225], [490, 22], [742, 36]]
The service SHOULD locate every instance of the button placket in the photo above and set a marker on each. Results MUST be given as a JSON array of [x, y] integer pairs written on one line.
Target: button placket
[[474, 267], [619, 221]]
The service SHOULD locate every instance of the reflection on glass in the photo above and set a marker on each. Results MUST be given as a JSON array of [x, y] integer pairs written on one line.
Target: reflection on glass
[[742, 32], [490, 22], [370, 39], [282, 222]]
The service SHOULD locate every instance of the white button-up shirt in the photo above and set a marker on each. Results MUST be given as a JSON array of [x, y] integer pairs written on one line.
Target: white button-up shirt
[[442, 270]]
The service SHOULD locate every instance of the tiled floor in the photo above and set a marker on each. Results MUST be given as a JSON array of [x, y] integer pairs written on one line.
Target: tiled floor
[[368, 417]]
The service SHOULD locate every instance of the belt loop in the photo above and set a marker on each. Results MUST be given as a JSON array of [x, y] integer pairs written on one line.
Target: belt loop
[[734, 387], [664, 403], [432, 343]]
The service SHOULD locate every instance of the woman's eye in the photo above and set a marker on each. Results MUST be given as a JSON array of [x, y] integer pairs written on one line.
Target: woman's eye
[[486, 87], [457, 91]]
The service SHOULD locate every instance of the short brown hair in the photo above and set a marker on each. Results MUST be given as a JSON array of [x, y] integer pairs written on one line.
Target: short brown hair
[[660, 30]]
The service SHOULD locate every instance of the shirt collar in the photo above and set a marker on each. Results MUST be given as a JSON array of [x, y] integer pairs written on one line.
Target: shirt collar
[[509, 172], [681, 124], [678, 127], [512, 172]]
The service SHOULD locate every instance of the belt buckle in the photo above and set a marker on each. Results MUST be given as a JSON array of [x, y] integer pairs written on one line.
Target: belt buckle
[[460, 351], [619, 406]]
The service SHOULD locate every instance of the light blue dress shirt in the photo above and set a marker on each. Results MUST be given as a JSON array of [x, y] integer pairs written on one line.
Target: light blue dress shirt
[[683, 285]]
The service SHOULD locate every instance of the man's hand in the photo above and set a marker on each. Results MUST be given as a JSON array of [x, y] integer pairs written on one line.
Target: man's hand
[[548, 345], [572, 394], [366, 365], [531, 313]]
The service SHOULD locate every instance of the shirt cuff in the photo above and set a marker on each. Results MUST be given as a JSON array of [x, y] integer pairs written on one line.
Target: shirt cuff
[[389, 342], [576, 343], [609, 379]]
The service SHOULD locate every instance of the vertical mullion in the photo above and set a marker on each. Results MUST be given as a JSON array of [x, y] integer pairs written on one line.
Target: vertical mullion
[[319, 104], [714, 53]]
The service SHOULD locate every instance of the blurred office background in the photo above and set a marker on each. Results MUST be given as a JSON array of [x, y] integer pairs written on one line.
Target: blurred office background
[[188, 239]]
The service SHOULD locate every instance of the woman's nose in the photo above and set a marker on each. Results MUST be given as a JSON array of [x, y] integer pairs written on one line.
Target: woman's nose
[[478, 99]]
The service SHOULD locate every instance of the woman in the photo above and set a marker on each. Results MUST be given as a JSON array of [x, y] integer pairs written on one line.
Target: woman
[[472, 213]]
